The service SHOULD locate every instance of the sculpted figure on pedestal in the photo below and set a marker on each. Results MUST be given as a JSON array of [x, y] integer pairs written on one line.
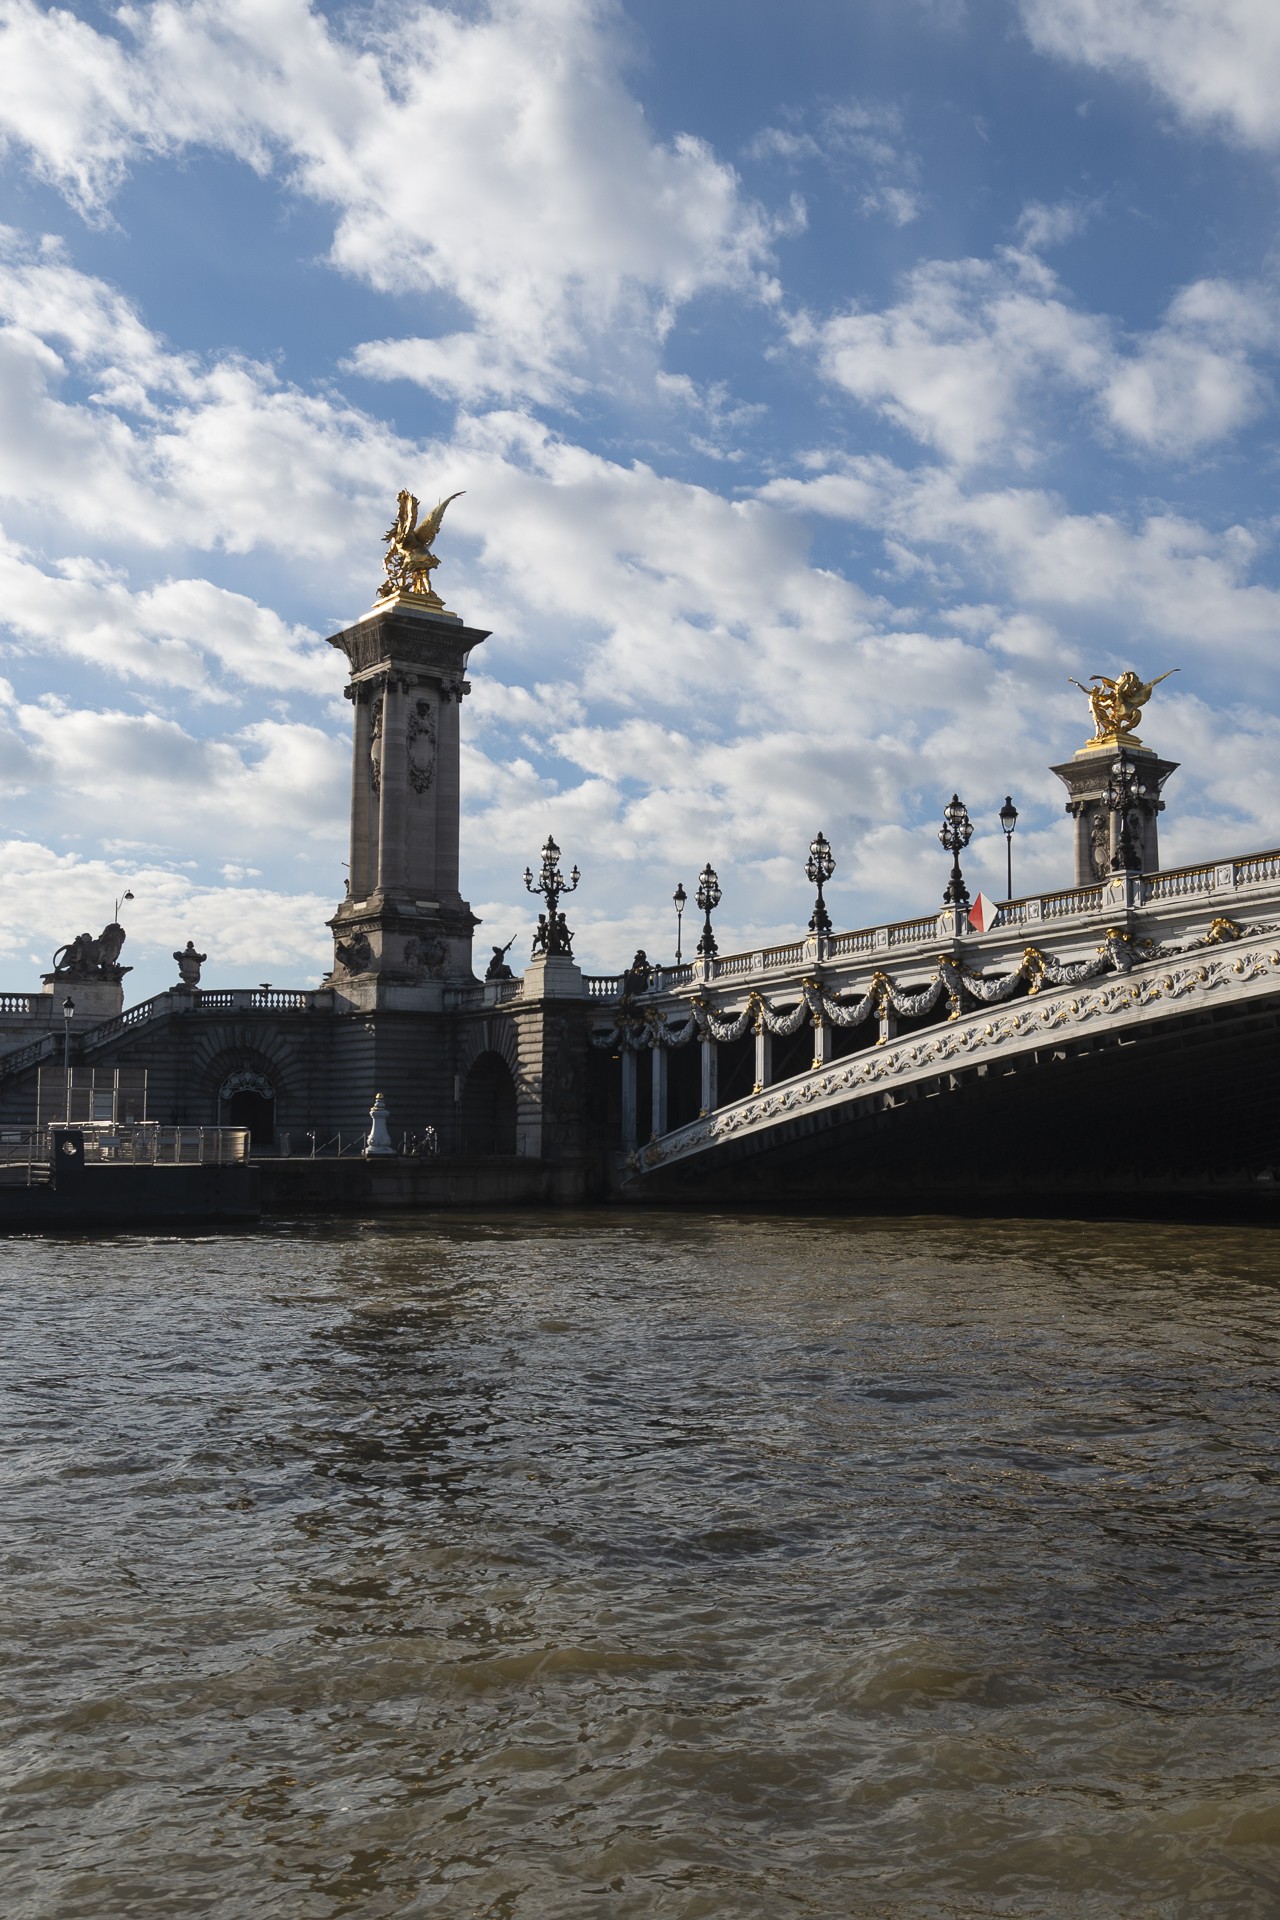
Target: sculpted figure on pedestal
[[497, 968], [189, 964], [85, 958], [1116, 705], [409, 560]]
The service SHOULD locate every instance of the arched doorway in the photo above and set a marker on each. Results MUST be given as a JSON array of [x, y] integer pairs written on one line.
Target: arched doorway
[[488, 1111], [247, 1099]]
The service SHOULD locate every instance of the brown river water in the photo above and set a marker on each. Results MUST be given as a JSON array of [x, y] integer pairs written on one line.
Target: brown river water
[[618, 1566]]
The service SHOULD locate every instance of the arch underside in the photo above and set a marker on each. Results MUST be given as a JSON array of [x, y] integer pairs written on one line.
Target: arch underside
[[487, 1110]]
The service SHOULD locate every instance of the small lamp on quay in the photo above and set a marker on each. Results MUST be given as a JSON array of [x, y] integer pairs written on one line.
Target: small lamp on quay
[[68, 1015]]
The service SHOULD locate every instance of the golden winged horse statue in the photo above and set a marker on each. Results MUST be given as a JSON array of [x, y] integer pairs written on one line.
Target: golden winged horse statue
[[1116, 705], [409, 558]]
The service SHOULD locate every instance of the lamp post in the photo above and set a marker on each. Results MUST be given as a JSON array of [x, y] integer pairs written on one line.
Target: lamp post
[[678, 900], [707, 897], [1125, 793], [1008, 821], [955, 834], [819, 867], [115, 911], [552, 936], [68, 1015]]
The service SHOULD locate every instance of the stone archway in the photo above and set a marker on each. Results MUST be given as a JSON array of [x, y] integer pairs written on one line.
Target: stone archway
[[488, 1108], [248, 1099]]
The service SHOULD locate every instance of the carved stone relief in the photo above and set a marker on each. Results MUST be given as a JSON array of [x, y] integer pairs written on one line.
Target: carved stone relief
[[375, 746], [428, 956], [1100, 844], [421, 746], [353, 955]]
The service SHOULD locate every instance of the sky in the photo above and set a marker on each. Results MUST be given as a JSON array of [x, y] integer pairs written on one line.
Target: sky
[[827, 388]]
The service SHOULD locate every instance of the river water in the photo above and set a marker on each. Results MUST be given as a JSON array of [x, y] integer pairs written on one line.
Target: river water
[[620, 1566]]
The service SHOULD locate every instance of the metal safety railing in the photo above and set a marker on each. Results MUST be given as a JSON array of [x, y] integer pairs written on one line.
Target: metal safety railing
[[27, 1153], [145, 1143]]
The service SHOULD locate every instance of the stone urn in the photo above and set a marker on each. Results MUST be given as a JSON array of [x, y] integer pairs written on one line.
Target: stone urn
[[189, 964], [379, 1140]]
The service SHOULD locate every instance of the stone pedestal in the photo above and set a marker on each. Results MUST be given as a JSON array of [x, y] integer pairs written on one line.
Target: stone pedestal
[[95, 999], [404, 929], [1085, 777], [551, 1087]]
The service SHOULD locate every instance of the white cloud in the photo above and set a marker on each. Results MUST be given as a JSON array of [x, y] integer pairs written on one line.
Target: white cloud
[[1191, 382], [1042, 225], [1216, 61], [969, 359], [957, 362], [862, 143], [107, 434], [497, 158], [109, 771], [180, 634], [55, 894], [1163, 581]]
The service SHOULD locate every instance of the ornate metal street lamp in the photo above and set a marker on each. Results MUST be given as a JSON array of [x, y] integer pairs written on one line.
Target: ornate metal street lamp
[[1124, 795], [819, 867], [707, 897], [1008, 821], [678, 899], [955, 834], [68, 1015], [552, 935]]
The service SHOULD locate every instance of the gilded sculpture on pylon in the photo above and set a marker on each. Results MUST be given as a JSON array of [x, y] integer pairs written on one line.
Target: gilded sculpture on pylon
[[409, 559], [1116, 705]]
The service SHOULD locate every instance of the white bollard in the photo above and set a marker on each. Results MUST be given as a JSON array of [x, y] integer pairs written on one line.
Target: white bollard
[[379, 1140]]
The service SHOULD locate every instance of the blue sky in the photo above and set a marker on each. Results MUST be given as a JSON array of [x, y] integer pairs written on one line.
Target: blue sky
[[827, 389]]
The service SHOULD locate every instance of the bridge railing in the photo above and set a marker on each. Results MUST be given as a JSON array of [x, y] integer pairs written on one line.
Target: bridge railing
[[1178, 883], [1256, 867], [259, 999], [19, 1059], [1069, 903], [1036, 908]]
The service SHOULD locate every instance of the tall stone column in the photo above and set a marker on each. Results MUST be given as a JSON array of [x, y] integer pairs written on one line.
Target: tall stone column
[[821, 1040], [710, 1074], [392, 783], [658, 1121], [764, 1057], [404, 930], [447, 797], [629, 1103], [359, 869]]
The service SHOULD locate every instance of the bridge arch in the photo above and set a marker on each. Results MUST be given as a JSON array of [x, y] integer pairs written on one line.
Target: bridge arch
[[247, 1098], [487, 1108]]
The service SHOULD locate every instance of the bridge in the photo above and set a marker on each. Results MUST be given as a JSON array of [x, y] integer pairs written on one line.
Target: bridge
[[1104, 1038]]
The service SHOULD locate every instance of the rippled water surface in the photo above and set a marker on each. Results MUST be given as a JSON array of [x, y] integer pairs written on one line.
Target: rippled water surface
[[614, 1566]]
